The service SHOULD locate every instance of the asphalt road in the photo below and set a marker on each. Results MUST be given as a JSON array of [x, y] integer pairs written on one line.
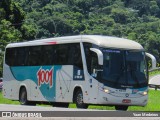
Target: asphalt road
[[155, 80], [4, 107]]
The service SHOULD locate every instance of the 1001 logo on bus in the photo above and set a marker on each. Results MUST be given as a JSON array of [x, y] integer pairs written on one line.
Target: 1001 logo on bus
[[45, 76]]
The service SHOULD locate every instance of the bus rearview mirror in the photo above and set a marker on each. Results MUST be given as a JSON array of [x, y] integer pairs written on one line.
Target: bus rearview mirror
[[99, 54]]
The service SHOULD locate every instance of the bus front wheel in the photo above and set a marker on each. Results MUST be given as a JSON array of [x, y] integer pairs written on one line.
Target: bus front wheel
[[121, 107], [78, 99]]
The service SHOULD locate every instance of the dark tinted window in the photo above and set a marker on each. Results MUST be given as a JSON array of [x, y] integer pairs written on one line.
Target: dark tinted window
[[10, 56], [60, 54], [88, 54], [16, 56], [35, 56], [123, 68], [21, 55], [48, 55], [76, 58]]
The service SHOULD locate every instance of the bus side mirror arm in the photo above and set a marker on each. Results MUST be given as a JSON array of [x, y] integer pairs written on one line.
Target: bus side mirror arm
[[99, 54], [154, 62]]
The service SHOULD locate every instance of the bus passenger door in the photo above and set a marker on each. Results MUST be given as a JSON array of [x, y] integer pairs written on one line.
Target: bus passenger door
[[92, 77], [92, 86]]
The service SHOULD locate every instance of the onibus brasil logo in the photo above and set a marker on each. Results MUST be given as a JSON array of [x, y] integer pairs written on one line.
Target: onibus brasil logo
[[45, 77]]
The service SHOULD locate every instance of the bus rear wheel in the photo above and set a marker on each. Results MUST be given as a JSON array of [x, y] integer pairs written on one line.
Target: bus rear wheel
[[121, 107], [23, 97], [78, 99]]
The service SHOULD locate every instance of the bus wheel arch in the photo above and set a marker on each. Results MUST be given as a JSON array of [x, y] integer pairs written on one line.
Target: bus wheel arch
[[78, 98]]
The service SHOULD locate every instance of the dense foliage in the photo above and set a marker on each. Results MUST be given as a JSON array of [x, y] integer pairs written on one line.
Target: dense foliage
[[138, 20]]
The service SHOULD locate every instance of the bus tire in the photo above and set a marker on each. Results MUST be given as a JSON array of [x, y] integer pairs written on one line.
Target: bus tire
[[121, 107], [23, 97], [78, 99]]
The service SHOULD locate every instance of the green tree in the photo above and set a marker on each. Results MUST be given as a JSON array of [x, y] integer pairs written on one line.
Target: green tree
[[29, 29], [120, 15], [8, 34], [154, 8], [141, 5]]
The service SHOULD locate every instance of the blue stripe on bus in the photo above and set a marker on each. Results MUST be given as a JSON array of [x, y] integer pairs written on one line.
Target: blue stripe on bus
[[43, 76]]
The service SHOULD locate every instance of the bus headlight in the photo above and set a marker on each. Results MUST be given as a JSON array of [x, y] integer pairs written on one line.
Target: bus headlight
[[145, 93], [106, 90]]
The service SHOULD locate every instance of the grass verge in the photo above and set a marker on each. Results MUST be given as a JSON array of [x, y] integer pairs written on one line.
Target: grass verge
[[153, 73], [7, 101]]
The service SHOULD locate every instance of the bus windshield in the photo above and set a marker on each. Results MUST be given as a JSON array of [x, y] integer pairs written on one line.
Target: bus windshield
[[124, 69]]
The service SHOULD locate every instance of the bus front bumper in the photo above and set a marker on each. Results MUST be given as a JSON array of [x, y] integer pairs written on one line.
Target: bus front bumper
[[123, 99]]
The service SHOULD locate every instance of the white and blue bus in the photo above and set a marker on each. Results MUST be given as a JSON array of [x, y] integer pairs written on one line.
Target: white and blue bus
[[83, 69]]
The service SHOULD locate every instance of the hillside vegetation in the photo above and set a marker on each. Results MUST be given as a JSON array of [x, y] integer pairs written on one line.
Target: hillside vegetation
[[23, 20]]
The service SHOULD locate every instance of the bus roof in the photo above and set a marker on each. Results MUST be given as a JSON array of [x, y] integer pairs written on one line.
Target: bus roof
[[102, 41]]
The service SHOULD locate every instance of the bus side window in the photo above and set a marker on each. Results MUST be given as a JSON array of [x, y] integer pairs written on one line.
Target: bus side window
[[34, 58], [91, 57], [62, 54], [88, 56], [48, 55], [94, 61], [76, 57], [21, 55], [16, 56], [10, 56]]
